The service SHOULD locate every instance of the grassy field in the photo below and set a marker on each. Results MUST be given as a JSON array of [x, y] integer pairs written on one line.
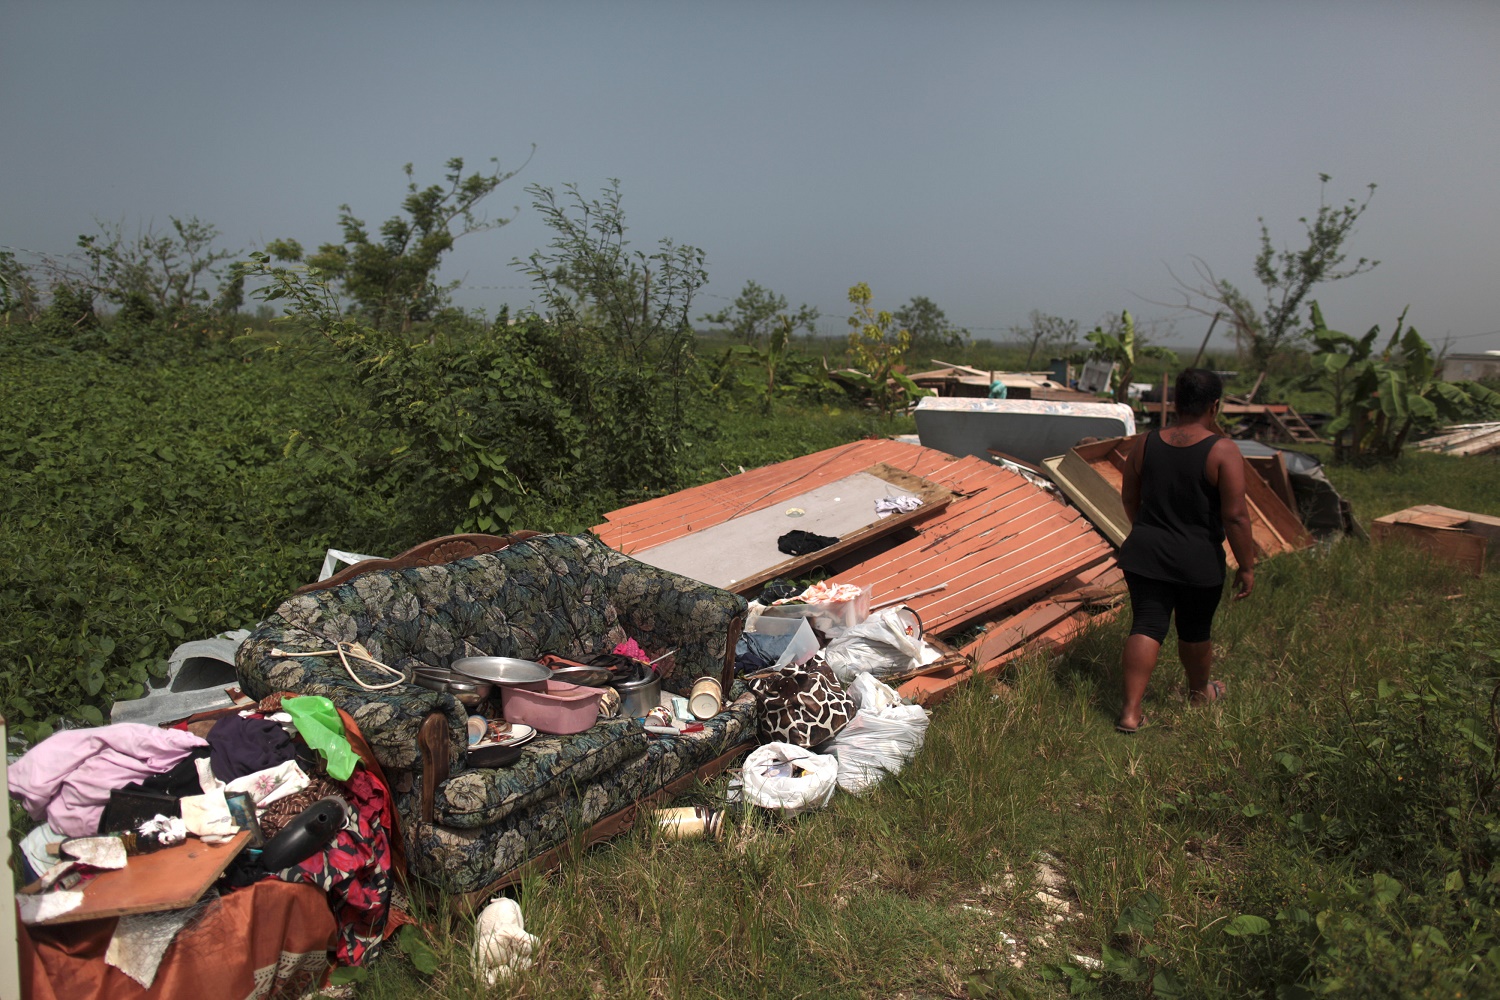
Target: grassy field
[[1329, 827]]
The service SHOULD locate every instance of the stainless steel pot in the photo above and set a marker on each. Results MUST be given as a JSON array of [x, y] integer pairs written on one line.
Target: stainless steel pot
[[640, 695]]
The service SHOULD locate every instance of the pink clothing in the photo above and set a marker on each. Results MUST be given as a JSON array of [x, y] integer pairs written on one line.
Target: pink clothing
[[67, 777]]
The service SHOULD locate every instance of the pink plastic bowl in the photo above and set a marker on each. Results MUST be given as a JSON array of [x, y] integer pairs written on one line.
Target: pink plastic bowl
[[562, 709]]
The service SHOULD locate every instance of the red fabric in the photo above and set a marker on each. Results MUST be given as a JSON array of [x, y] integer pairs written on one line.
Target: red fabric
[[397, 861], [355, 872], [273, 931]]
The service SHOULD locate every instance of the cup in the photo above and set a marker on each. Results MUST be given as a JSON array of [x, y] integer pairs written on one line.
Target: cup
[[690, 822], [707, 699]]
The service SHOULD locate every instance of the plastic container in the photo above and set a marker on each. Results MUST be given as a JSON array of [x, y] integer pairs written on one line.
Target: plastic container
[[558, 711], [793, 634], [828, 617]]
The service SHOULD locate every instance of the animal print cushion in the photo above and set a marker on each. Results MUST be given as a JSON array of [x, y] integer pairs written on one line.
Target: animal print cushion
[[800, 705]]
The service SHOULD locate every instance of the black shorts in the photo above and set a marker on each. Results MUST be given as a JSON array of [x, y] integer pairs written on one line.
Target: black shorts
[[1153, 601]]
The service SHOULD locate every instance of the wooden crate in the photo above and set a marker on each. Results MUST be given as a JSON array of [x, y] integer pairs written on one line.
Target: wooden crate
[[1453, 535]]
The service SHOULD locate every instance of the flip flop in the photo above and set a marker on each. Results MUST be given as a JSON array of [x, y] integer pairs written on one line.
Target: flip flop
[[1213, 691], [1145, 723]]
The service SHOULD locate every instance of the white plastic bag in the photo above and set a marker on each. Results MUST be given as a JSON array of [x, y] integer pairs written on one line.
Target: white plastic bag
[[872, 695], [882, 645], [877, 743], [770, 783]]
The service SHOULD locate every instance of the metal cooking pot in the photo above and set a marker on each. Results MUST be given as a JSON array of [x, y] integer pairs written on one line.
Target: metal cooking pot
[[639, 694]]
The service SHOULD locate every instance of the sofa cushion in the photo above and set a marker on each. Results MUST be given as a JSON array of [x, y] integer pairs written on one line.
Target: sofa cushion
[[466, 859], [546, 766]]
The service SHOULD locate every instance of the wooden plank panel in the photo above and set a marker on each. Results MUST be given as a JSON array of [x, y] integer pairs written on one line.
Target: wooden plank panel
[[168, 879], [942, 552], [993, 587], [998, 541], [1272, 470]]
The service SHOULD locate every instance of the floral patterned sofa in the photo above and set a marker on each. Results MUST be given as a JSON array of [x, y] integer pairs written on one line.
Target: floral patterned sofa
[[471, 830]]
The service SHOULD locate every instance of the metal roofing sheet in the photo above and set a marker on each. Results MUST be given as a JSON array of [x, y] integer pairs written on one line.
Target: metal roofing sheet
[[1001, 540]]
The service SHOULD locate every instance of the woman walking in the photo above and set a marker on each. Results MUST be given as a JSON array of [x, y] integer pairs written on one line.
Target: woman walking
[[1184, 491]]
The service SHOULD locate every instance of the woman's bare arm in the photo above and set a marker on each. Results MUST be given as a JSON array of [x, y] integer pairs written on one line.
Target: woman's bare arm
[[1227, 467]]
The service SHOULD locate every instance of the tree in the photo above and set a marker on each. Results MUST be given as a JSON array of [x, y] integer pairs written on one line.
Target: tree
[[391, 278], [590, 279], [1044, 330], [632, 307], [19, 296], [1288, 277], [758, 312], [930, 328], [1120, 344], [152, 274]]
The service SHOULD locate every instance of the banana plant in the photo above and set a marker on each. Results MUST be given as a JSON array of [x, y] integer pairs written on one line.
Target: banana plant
[[1379, 398], [1121, 345], [775, 369]]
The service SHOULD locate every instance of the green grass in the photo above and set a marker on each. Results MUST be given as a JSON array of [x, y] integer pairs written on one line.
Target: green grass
[[913, 889], [150, 503], [1377, 489]]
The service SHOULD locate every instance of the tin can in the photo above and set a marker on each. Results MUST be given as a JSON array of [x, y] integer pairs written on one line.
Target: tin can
[[609, 703], [690, 823], [707, 698]]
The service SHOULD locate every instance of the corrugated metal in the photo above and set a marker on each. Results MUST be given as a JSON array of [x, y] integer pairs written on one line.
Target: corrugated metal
[[1002, 540]]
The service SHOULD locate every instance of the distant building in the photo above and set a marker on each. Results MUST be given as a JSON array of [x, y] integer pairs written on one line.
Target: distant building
[[1470, 367]]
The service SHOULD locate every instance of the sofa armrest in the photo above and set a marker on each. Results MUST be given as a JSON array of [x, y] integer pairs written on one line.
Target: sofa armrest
[[664, 610], [432, 744], [391, 719]]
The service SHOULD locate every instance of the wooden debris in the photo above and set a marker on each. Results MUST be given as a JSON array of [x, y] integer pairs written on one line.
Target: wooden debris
[[1092, 475], [1454, 535]]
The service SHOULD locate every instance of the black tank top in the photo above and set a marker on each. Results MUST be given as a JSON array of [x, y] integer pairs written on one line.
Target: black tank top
[[1178, 535]]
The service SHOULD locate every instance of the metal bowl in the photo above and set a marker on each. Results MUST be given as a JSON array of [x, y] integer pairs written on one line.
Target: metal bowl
[[469, 692], [501, 669]]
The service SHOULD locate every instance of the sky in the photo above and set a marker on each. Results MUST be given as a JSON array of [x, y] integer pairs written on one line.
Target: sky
[[995, 157]]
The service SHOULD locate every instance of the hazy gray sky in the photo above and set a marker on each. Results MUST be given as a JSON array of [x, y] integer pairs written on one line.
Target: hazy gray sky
[[995, 157]]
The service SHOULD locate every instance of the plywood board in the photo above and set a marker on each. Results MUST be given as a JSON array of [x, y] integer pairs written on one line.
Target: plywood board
[[741, 554], [1091, 493], [1272, 469], [169, 879]]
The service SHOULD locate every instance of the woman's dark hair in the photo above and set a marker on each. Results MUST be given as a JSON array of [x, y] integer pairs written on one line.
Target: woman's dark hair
[[1197, 391]]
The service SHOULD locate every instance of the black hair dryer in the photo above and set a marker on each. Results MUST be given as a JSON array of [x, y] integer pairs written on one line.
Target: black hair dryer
[[309, 833]]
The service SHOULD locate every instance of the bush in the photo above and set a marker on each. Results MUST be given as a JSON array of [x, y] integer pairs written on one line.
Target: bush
[[141, 503]]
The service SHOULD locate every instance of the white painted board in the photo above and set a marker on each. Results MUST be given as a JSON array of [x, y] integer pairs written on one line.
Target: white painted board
[[741, 547]]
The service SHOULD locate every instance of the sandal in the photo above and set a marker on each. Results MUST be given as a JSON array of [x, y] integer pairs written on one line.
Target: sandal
[[1212, 691], [1145, 723]]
